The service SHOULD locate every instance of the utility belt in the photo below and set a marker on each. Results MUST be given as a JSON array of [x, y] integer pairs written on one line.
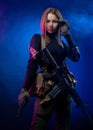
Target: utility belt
[[42, 85], [46, 81]]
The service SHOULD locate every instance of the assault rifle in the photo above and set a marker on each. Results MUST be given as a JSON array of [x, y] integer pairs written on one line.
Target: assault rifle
[[64, 76], [66, 81]]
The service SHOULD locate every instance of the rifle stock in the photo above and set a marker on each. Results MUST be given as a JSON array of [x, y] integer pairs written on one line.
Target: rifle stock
[[70, 85]]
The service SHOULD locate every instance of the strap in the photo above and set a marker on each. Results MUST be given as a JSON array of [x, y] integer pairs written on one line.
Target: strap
[[43, 44]]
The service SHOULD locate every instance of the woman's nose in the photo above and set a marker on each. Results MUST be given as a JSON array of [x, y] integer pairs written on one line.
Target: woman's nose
[[51, 24]]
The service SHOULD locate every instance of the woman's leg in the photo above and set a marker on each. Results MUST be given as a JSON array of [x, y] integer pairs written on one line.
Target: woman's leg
[[63, 112], [41, 116]]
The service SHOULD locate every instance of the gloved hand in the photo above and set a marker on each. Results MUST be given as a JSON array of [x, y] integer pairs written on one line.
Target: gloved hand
[[23, 96], [64, 27], [23, 99]]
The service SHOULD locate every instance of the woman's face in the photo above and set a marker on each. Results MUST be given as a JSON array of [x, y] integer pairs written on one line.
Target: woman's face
[[51, 23]]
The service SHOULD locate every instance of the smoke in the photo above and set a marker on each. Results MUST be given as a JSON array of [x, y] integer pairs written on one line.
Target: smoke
[[81, 23]]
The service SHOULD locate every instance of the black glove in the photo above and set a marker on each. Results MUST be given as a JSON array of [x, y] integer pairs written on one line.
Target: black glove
[[23, 99], [64, 27]]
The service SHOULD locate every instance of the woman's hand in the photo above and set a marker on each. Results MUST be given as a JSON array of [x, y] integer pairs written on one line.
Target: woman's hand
[[23, 99], [24, 94], [64, 27]]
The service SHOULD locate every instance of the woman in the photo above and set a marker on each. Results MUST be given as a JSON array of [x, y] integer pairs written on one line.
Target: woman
[[53, 26]]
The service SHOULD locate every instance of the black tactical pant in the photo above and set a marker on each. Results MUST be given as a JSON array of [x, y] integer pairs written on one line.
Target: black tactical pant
[[62, 109]]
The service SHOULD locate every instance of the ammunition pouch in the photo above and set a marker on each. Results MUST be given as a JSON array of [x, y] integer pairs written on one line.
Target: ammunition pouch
[[45, 81], [41, 86]]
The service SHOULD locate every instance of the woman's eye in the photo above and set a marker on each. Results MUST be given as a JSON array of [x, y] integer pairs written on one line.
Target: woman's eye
[[47, 21], [55, 21]]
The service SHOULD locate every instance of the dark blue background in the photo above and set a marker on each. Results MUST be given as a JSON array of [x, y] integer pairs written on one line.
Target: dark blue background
[[19, 20]]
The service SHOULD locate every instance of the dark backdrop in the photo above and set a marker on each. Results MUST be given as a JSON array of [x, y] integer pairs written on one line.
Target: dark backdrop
[[19, 20]]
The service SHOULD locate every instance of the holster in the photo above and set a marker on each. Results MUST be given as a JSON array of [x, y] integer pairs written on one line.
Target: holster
[[41, 86]]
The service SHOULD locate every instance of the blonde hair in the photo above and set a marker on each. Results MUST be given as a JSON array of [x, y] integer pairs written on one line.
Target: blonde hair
[[43, 21]]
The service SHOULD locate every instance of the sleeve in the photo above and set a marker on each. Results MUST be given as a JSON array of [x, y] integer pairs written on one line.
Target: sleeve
[[32, 65], [73, 52], [36, 42]]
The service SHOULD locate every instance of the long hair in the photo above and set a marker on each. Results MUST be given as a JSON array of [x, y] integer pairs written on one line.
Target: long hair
[[43, 21]]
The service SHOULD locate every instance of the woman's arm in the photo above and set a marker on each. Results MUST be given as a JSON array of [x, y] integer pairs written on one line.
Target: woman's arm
[[32, 64], [73, 51]]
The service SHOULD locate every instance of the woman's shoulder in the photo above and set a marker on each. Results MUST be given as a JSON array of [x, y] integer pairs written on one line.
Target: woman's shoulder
[[36, 36], [36, 41]]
